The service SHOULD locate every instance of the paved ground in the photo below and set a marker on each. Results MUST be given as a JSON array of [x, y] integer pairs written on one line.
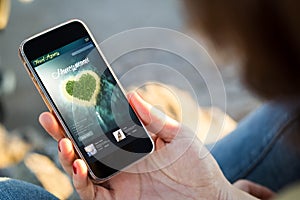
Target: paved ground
[[106, 18]]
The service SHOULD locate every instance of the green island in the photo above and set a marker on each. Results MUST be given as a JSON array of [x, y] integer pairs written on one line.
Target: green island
[[83, 88]]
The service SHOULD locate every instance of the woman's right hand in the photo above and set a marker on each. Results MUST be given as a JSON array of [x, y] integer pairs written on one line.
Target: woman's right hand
[[180, 167]]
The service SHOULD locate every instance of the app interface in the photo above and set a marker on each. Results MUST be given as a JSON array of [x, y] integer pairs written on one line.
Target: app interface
[[88, 99]]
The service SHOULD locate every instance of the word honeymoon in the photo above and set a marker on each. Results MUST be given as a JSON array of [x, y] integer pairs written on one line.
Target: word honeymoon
[[70, 68]]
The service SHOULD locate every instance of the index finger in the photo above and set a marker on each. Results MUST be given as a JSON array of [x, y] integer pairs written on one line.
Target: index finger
[[51, 125]]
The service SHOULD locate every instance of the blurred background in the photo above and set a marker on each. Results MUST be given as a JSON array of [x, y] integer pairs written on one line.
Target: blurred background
[[21, 103]]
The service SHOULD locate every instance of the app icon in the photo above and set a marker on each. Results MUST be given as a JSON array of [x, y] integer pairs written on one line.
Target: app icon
[[119, 135], [90, 150]]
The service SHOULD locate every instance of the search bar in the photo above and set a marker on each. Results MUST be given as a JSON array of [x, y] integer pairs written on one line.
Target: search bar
[[82, 49]]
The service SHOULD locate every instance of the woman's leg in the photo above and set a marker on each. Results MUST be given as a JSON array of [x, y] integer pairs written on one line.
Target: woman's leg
[[11, 189], [261, 148]]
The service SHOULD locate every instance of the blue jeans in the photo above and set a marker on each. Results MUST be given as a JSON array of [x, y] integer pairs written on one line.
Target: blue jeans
[[261, 149], [11, 189]]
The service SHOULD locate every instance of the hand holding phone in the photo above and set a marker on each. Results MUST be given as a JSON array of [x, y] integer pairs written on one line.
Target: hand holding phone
[[192, 176]]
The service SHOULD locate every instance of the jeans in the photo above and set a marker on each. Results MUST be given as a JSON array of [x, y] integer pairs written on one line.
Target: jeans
[[262, 148], [18, 190]]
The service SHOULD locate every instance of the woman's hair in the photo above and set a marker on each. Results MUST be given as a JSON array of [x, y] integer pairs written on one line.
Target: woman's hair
[[265, 34]]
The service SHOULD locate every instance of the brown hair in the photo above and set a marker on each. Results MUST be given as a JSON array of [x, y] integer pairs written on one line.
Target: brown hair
[[265, 33]]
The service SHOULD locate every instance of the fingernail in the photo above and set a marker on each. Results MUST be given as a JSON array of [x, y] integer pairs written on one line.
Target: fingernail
[[58, 145], [74, 169]]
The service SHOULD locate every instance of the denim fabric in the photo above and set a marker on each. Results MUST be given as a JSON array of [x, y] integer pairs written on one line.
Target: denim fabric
[[261, 148], [11, 189]]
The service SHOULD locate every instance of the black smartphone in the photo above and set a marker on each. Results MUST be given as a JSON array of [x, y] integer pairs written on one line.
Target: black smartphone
[[81, 90]]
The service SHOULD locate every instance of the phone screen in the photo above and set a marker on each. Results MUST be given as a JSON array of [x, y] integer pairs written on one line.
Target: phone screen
[[91, 105]]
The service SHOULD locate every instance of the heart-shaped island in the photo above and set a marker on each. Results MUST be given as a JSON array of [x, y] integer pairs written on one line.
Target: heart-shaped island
[[82, 89]]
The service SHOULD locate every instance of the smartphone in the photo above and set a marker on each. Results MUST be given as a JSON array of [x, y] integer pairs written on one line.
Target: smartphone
[[80, 89]]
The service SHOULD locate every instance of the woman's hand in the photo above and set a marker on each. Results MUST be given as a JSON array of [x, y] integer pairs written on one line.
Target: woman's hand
[[180, 167]]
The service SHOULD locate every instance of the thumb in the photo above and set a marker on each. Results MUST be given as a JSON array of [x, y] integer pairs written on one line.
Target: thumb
[[155, 121]]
